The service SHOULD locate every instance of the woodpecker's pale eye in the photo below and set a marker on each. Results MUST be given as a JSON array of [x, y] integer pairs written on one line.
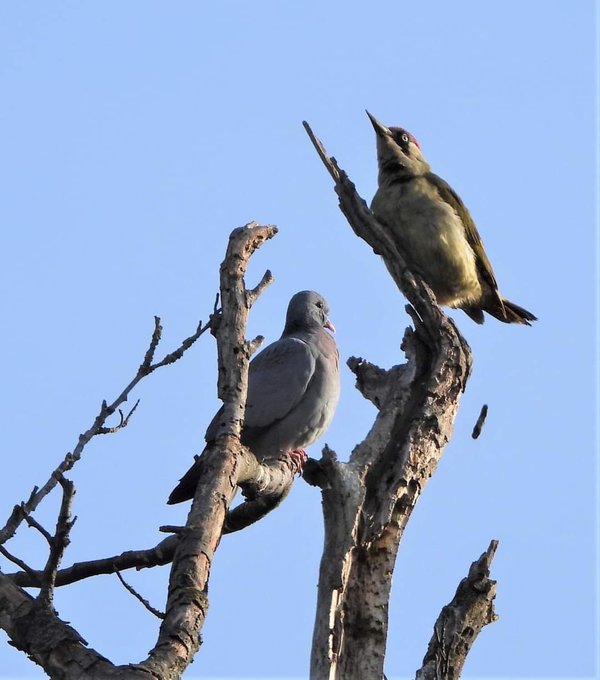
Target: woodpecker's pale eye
[[402, 139]]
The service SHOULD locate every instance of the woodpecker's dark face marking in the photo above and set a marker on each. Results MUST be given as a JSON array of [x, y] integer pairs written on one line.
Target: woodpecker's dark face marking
[[398, 153], [403, 138]]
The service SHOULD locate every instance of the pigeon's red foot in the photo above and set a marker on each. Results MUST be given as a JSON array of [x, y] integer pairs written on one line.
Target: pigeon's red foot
[[299, 457]]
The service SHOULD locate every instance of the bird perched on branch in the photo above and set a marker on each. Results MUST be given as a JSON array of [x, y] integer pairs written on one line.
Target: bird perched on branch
[[293, 390], [435, 231]]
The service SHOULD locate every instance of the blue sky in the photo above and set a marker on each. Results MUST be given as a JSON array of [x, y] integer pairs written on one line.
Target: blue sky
[[134, 136]]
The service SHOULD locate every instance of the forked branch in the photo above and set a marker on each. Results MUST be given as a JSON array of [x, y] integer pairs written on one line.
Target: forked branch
[[23, 509], [61, 651], [368, 501]]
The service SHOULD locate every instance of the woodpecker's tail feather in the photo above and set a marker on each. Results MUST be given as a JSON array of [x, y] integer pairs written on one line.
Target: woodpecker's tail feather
[[512, 313], [476, 313], [502, 309]]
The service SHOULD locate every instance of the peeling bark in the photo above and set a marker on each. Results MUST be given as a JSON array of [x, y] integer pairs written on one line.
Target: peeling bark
[[187, 600], [57, 647], [52, 643], [368, 501], [461, 621]]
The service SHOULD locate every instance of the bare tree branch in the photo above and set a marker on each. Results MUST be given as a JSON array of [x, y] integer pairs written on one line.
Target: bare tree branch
[[368, 501], [187, 601], [27, 570], [149, 356], [58, 543], [53, 644], [366, 227], [264, 485], [20, 511], [461, 621], [130, 589], [159, 555], [122, 423], [32, 522], [252, 294], [31, 624], [174, 356]]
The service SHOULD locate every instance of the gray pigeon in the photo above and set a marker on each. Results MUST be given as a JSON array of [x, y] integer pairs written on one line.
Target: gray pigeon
[[293, 390]]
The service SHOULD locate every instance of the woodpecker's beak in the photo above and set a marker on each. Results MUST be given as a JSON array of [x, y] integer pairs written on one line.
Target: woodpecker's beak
[[380, 129], [329, 325]]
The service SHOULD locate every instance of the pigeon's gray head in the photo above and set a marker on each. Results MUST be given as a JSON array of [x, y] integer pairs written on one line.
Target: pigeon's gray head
[[398, 152], [307, 309]]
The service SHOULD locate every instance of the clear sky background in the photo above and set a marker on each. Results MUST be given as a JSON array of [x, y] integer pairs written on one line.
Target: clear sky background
[[135, 136]]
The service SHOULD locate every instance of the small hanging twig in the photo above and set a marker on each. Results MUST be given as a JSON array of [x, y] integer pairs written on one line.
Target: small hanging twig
[[480, 421], [133, 591]]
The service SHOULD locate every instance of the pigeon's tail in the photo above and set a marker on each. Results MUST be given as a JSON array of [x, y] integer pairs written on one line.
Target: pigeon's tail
[[184, 491]]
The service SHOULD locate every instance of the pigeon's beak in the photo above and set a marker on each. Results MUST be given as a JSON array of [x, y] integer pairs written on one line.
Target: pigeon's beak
[[379, 128], [329, 325]]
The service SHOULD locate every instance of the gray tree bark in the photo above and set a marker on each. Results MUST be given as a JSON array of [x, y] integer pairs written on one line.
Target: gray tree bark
[[31, 623], [368, 501]]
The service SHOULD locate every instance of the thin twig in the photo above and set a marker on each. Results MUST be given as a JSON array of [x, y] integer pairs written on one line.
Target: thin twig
[[172, 357], [149, 356], [32, 522], [133, 591], [19, 562], [20, 511], [59, 543], [123, 422]]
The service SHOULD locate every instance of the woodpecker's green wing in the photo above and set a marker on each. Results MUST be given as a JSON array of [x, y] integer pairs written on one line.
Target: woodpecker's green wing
[[448, 195]]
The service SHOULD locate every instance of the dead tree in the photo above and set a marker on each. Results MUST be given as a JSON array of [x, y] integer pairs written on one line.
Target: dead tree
[[367, 501]]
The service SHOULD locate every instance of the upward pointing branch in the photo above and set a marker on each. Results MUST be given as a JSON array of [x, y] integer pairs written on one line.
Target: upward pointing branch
[[187, 601], [59, 649], [368, 501], [461, 621]]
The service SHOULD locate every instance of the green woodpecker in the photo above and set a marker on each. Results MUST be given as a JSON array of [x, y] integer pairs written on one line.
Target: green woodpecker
[[435, 231]]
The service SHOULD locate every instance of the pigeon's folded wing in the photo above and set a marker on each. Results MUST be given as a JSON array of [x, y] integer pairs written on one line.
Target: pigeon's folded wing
[[278, 380]]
